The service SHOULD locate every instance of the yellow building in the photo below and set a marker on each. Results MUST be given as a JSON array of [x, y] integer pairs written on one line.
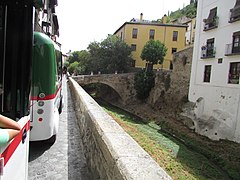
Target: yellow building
[[190, 34], [137, 32]]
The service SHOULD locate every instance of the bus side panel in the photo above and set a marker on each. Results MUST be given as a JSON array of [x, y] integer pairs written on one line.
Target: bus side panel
[[15, 154], [44, 125]]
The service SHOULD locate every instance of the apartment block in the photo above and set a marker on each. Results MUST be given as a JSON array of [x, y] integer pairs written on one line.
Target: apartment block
[[214, 84]]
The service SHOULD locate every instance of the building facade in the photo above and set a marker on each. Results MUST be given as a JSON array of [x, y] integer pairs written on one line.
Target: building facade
[[190, 34], [191, 26], [46, 20], [138, 32], [214, 84]]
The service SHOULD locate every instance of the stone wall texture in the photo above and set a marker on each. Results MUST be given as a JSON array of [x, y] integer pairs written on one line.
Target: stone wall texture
[[110, 152], [171, 87]]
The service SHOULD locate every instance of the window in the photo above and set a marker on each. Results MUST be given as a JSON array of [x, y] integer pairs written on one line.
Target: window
[[121, 36], [212, 20], [175, 35], [220, 60], [207, 73], [174, 50], [236, 42], [235, 12], [234, 71], [133, 47], [210, 47], [134, 33], [151, 34]]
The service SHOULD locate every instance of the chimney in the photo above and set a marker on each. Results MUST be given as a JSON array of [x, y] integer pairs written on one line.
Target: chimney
[[141, 17], [164, 19]]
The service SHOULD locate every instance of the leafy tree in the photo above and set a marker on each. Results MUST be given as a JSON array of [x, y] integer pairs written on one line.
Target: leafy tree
[[143, 83], [74, 57], [189, 11], [111, 55], [108, 56], [73, 68], [154, 52]]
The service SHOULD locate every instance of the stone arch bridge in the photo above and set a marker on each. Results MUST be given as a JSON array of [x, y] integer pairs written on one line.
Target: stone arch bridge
[[123, 84]]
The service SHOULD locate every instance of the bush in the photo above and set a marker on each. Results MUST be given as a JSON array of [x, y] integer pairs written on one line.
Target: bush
[[143, 83]]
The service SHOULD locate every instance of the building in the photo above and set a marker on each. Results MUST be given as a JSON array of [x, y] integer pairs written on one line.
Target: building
[[190, 34], [138, 31], [46, 20], [214, 84], [191, 26]]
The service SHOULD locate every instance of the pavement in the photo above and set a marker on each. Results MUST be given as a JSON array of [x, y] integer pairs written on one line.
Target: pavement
[[65, 158]]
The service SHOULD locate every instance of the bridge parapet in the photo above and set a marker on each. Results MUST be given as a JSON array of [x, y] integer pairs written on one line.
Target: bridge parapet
[[110, 152], [121, 83]]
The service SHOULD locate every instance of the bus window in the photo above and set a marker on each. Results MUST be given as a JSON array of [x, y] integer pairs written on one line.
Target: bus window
[[59, 64], [1, 54], [14, 66]]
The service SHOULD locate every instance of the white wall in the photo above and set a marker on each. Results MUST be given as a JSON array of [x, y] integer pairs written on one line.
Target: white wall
[[221, 101]]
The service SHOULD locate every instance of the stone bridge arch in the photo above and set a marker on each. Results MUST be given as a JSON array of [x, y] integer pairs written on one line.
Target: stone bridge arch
[[120, 83]]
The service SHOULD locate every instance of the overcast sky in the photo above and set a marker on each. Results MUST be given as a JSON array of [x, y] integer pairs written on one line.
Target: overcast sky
[[84, 21]]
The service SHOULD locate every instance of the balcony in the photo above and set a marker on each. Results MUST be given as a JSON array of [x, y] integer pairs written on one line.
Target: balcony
[[210, 23], [231, 50], [208, 52], [234, 15], [235, 12]]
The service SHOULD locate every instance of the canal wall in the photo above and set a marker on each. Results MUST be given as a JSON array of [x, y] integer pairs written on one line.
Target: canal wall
[[110, 152]]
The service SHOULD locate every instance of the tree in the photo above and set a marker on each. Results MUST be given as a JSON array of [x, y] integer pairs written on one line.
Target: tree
[[143, 83], [111, 55], [73, 68], [82, 58], [154, 52]]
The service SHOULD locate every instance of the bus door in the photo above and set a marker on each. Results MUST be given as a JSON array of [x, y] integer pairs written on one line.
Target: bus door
[[16, 36]]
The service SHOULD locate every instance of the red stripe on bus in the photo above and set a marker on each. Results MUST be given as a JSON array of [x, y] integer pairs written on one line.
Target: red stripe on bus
[[48, 97], [14, 144]]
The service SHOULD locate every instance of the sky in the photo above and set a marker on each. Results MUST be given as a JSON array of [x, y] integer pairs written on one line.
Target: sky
[[84, 21]]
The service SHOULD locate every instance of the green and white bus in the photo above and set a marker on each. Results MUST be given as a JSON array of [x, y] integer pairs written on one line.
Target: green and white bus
[[46, 92]]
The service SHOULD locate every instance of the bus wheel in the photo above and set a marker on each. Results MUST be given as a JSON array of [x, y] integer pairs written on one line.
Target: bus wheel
[[52, 139], [60, 107]]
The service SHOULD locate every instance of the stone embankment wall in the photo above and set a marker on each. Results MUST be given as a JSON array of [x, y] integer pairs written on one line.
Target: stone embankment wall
[[110, 152], [171, 87]]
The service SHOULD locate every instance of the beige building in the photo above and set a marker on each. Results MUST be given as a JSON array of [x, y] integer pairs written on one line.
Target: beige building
[[138, 32]]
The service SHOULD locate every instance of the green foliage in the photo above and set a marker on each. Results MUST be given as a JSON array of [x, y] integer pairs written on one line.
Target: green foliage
[[154, 52], [66, 64], [82, 57], [189, 11], [111, 55], [108, 56], [73, 68], [143, 83]]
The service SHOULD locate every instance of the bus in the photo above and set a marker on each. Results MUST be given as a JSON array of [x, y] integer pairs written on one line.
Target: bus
[[46, 92], [16, 37]]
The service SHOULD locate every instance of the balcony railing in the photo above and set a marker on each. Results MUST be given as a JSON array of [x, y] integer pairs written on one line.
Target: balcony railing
[[210, 23], [208, 52], [234, 15], [230, 50]]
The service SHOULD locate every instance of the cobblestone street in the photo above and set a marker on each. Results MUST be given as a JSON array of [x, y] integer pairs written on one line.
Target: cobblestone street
[[64, 159]]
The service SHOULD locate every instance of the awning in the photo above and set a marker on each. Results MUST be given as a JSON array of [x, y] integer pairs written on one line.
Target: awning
[[235, 12]]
